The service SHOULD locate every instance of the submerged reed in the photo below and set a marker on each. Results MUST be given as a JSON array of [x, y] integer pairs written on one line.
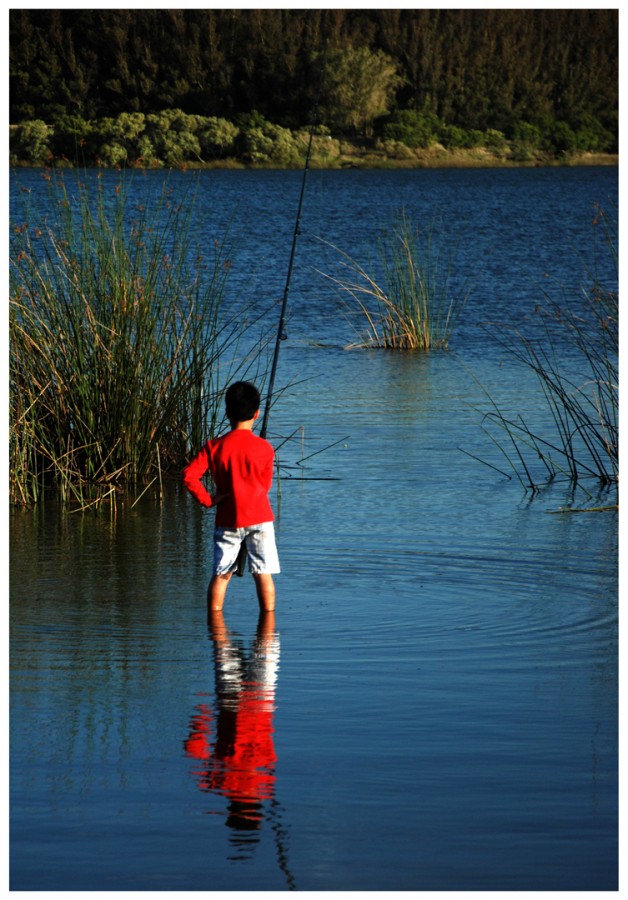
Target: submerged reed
[[413, 304], [116, 341], [581, 395]]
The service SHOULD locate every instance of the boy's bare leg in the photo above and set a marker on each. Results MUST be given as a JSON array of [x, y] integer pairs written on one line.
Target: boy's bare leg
[[265, 587], [217, 590], [266, 626], [217, 627]]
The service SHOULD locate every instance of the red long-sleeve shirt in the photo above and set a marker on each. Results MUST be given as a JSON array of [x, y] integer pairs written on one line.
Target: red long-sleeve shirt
[[241, 465]]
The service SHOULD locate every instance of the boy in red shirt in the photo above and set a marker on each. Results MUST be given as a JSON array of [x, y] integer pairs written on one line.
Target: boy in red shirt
[[241, 466]]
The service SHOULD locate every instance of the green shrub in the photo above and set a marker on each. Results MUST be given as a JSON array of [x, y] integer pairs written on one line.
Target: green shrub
[[112, 155], [146, 153], [527, 134], [172, 135], [72, 138], [217, 137], [412, 128], [475, 138], [452, 137], [285, 147], [31, 143], [494, 140], [526, 141], [119, 138], [178, 147], [560, 138], [592, 136], [261, 142]]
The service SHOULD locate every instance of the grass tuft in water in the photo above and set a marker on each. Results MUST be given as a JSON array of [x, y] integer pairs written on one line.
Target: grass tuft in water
[[581, 396], [414, 302]]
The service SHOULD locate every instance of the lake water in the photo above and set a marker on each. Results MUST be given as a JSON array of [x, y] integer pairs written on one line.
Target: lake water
[[434, 705]]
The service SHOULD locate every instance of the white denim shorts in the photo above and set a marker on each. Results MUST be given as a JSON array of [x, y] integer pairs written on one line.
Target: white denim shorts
[[261, 549]]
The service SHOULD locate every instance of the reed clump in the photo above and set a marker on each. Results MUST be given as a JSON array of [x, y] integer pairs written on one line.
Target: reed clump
[[575, 359], [413, 302], [116, 336]]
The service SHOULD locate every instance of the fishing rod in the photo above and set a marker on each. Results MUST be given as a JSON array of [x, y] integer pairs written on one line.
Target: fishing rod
[[281, 334]]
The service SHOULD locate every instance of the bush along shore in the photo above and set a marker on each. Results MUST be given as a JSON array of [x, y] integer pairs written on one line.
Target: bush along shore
[[174, 139]]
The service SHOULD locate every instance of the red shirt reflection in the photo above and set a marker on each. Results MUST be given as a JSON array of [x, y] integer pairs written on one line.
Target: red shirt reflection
[[236, 743]]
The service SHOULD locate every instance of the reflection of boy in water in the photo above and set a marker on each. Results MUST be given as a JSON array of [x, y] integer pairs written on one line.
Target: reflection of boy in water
[[241, 465], [240, 762]]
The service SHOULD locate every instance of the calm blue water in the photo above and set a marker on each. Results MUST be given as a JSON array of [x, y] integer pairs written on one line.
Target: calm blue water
[[434, 706]]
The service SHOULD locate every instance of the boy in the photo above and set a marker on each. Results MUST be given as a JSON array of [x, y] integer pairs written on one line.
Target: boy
[[241, 465]]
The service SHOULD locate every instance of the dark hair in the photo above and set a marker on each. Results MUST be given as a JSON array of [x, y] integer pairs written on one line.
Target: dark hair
[[242, 401]]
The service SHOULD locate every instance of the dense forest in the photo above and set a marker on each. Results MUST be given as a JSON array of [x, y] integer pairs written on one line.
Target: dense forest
[[510, 72]]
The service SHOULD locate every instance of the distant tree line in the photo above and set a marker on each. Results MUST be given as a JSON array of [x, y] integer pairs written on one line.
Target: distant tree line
[[176, 85]]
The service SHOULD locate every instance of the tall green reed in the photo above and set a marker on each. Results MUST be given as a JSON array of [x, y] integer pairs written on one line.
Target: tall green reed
[[409, 299], [119, 343]]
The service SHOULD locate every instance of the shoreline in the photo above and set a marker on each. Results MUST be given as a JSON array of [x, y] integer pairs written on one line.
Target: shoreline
[[436, 157], [426, 160]]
